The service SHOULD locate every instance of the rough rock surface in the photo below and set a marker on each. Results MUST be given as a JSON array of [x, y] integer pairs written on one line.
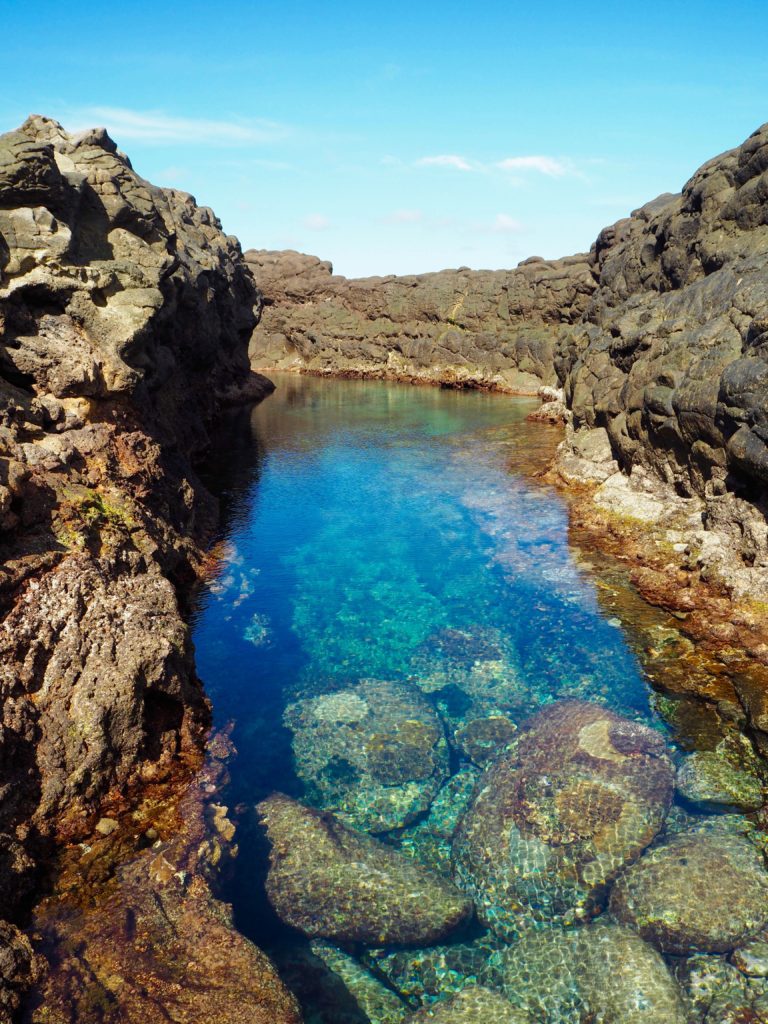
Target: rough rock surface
[[580, 794], [125, 314], [467, 328], [139, 938], [333, 883], [697, 892], [602, 972], [374, 754]]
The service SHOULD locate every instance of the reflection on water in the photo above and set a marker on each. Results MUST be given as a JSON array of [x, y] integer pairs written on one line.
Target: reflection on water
[[395, 601]]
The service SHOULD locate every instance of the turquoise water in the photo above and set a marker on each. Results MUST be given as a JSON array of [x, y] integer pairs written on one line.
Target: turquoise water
[[363, 520], [395, 596]]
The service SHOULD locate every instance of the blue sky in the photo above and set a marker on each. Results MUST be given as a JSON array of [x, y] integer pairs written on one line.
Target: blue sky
[[401, 137]]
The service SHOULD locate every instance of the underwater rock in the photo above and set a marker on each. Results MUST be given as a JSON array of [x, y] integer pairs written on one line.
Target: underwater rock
[[700, 891], [719, 994], [722, 778], [752, 958], [429, 840], [580, 794], [376, 1001], [375, 753], [19, 968], [438, 971], [333, 883], [600, 972], [482, 736], [473, 1005]]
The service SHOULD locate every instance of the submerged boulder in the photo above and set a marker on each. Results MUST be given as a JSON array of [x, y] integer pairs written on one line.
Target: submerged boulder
[[726, 778], [552, 821], [333, 883], [473, 1005], [600, 972], [374, 753], [700, 891]]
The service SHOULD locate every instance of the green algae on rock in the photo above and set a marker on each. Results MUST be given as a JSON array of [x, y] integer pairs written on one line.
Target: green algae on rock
[[580, 794], [724, 778], [699, 891], [374, 754], [331, 882], [475, 1005], [599, 972]]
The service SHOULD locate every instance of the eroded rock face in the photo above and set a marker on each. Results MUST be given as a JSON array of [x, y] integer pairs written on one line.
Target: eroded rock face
[[468, 328], [125, 313], [124, 318], [580, 794], [333, 883], [601, 972], [375, 753], [697, 892]]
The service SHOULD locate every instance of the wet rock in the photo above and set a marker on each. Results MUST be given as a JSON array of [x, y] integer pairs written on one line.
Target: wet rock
[[724, 778], [696, 892], [580, 794], [374, 999], [425, 975], [333, 883], [19, 969], [474, 1005], [718, 993], [752, 958], [375, 753], [144, 939], [600, 972], [429, 840]]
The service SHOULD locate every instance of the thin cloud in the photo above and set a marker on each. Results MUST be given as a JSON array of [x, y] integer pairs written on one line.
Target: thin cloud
[[317, 222], [504, 224], [541, 164], [154, 126], [445, 160]]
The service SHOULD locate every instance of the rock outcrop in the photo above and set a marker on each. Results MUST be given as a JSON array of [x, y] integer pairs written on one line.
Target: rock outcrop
[[125, 314]]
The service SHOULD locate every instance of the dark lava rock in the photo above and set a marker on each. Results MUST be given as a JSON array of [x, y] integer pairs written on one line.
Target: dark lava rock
[[374, 753], [333, 883], [601, 972], [580, 794], [696, 892]]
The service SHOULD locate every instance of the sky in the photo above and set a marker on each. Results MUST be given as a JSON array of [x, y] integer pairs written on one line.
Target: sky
[[400, 137]]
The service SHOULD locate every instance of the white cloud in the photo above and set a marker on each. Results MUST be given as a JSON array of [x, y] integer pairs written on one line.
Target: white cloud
[[504, 224], [541, 164], [317, 222], [154, 126], [445, 160]]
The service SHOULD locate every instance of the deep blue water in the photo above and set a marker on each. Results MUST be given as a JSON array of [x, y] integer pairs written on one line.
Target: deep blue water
[[364, 518]]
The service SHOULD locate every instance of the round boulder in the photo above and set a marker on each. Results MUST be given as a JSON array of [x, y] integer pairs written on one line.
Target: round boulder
[[700, 891], [374, 753], [554, 819], [333, 883]]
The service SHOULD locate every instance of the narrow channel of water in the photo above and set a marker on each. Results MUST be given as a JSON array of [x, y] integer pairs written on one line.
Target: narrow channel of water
[[382, 563]]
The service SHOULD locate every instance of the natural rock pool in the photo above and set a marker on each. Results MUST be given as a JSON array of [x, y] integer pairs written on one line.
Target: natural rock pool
[[487, 813]]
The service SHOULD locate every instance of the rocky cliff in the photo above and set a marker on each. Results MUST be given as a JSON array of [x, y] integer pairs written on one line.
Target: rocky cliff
[[658, 336], [125, 313]]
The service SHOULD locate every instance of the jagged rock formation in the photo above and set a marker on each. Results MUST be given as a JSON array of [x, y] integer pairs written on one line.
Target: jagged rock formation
[[124, 319], [463, 327], [658, 336]]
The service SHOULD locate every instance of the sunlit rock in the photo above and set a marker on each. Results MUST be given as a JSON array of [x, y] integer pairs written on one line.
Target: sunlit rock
[[333, 883], [580, 794]]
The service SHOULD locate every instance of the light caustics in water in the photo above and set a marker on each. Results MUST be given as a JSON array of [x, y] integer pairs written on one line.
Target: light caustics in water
[[392, 604]]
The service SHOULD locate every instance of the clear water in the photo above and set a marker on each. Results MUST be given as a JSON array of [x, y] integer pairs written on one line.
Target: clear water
[[371, 530]]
